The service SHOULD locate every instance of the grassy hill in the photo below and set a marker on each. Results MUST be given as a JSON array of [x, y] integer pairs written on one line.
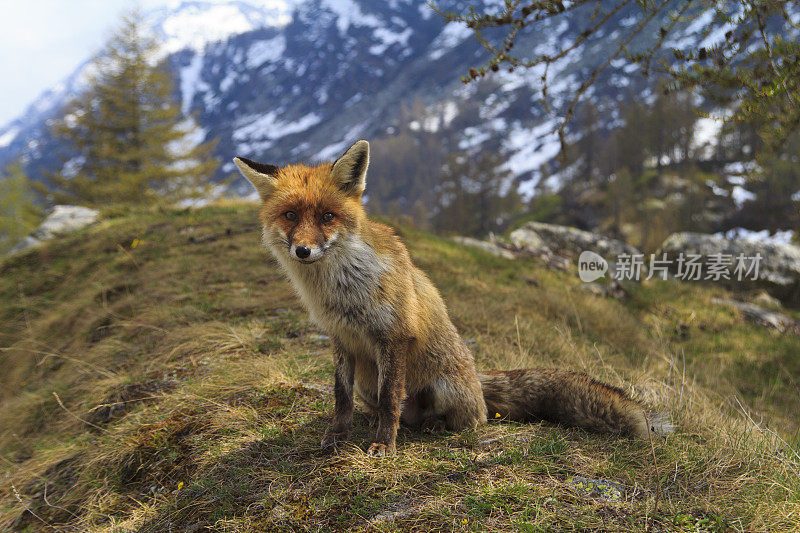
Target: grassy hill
[[158, 374]]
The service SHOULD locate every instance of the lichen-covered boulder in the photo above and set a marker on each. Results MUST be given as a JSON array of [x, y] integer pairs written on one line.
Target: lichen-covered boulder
[[750, 264], [538, 238], [61, 219], [486, 246], [761, 316]]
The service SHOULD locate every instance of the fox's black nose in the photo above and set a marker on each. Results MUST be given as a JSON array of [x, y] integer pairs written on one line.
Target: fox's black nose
[[302, 251]]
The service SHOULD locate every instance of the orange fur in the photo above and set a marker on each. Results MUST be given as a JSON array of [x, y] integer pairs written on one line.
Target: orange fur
[[393, 341]]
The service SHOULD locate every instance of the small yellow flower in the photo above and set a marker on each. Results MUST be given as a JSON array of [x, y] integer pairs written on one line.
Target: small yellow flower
[[135, 243], [497, 415], [180, 485]]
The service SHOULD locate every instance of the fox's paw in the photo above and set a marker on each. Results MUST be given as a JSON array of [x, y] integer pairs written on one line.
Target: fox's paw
[[378, 449], [333, 439]]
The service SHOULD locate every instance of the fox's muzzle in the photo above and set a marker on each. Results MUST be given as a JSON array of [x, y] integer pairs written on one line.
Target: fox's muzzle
[[305, 253]]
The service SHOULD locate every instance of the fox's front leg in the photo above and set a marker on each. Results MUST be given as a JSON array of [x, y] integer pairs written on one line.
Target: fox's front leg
[[391, 389], [343, 396]]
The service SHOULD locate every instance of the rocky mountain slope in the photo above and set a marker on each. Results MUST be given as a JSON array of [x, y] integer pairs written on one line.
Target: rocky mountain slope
[[301, 79]]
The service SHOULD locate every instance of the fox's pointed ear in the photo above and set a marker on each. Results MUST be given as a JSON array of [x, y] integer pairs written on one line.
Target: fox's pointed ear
[[350, 170], [263, 177]]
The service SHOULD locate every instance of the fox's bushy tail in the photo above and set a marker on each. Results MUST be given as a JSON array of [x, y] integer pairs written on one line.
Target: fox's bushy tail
[[568, 398]]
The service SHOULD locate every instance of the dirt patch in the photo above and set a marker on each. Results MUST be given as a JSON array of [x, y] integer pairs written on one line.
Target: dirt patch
[[162, 455], [48, 495], [112, 294], [123, 398]]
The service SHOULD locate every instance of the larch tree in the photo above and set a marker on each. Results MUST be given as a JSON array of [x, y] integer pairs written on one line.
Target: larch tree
[[19, 214], [129, 141]]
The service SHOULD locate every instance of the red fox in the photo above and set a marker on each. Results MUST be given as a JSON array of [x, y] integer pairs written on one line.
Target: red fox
[[394, 344]]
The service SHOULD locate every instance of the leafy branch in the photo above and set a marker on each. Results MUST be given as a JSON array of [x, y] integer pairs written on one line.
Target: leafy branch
[[747, 59]]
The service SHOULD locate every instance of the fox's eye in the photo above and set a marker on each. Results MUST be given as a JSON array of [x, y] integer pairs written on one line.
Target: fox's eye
[[327, 217], [290, 215]]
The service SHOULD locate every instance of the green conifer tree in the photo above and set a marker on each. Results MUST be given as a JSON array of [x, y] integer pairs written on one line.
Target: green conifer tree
[[133, 143], [19, 214]]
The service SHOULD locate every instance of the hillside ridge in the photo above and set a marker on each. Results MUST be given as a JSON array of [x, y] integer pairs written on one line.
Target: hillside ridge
[[160, 373]]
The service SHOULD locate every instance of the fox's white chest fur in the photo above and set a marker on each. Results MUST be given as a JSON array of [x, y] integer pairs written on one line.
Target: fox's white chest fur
[[340, 292]]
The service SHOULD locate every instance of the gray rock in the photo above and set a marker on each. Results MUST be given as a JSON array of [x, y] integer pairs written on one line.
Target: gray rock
[[763, 299], [610, 290], [778, 270], [759, 315], [538, 239], [560, 246], [526, 238], [62, 219], [24, 244], [490, 247]]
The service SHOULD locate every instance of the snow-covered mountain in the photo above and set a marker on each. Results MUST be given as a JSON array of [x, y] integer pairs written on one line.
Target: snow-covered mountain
[[194, 24], [184, 25], [295, 79]]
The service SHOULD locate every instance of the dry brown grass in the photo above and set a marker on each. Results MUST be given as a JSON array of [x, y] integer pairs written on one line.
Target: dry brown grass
[[178, 386]]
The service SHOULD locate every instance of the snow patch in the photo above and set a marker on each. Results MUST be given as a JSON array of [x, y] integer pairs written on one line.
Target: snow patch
[[449, 38], [349, 13], [195, 24], [716, 35], [73, 166], [741, 195], [700, 23], [268, 128], [473, 137], [262, 52], [336, 149], [211, 195], [425, 11], [763, 236], [193, 135], [389, 38], [706, 135], [227, 82], [532, 147], [493, 106], [191, 82], [438, 116], [8, 137], [737, 167], [332, 150]]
